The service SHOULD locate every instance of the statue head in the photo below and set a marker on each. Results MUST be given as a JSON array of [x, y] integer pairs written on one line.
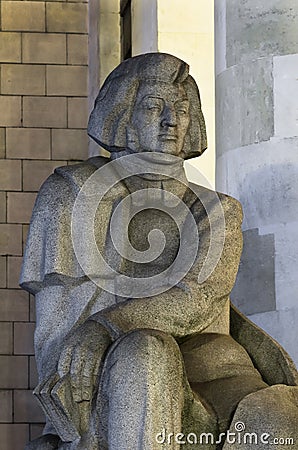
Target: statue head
[[150, 103]]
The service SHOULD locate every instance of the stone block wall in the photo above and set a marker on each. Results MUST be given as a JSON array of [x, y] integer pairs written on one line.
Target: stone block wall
[[44, 90]]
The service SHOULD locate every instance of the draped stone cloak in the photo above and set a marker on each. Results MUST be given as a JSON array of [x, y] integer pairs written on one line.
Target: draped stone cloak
[[66, 296]]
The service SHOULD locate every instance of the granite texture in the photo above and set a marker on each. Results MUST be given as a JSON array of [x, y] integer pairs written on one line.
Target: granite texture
[[132, 268]]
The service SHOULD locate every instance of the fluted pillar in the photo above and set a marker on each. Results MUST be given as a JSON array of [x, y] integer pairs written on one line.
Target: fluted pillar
[[257, 153]]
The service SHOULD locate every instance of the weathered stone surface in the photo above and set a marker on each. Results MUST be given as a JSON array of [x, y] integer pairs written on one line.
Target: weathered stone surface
[[69, 144], [33, 373], [256, 30], [2, 143], [67, 80], [10, 175], [77, 49], [245, 105], [2, 271], [25, 229], [285, 92], [67, 17], [10, 239], [2, 206], [286, 239], [14, 372], [110, 45], [10, 47], [271, 359], [248, 32], [22, 79], [6, 340], [28, 143], [36, 430], [256, 275], [14, 264], [41, 170], [14, 435], [141, 315], [10, 111], [220, 35], [45, 442], [6, 406], [268, 188], [26, 408], [264, 416], [281, 325], [44, 48], [23, 338], [32, 316], [111, 6], [23, 16], [45, 112], [77, 112], [14, 305], [19, 206]]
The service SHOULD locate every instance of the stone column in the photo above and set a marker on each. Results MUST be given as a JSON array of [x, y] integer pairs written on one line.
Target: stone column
[[257, 153]]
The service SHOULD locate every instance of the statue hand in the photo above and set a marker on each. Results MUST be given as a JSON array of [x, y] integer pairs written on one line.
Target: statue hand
[[81, 357]]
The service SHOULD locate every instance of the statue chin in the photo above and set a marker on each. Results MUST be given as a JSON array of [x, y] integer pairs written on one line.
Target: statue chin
[[160, 157]]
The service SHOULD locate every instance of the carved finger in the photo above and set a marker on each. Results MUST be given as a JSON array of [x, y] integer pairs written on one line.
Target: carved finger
[[88, 381], [86, 388], [76, 369], [64, 361]]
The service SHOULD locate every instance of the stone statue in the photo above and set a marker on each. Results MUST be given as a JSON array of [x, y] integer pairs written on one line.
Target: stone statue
[[132, 267]]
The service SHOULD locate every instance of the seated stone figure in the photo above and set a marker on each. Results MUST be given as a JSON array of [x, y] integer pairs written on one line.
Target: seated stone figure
[[134, 348]]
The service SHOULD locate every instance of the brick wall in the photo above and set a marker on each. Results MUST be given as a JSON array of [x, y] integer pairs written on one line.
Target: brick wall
[[43, 113]]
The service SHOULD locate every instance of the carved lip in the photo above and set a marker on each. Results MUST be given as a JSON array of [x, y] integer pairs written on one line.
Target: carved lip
[[168, 136]]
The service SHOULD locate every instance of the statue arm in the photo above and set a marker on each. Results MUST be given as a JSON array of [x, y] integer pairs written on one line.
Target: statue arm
[[192, 307]]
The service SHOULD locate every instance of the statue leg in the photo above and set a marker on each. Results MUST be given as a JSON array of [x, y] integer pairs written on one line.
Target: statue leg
[[144, 395], [265, 418]]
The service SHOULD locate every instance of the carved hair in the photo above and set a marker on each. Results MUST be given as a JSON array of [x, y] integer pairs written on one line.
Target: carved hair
[[115, 102]]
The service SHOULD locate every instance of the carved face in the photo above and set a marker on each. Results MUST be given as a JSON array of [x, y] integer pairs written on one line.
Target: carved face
[[160, 118]]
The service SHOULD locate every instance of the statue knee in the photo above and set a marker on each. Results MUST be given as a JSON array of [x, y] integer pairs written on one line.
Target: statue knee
[[143, 347], [269, 414]]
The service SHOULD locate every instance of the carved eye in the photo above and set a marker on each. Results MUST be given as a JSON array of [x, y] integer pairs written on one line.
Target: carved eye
[[182, 109], [154, 107], [153, 104]]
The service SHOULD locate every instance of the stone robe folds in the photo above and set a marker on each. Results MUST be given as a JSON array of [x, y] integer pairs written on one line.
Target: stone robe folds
[[50, 263], [66, 297]]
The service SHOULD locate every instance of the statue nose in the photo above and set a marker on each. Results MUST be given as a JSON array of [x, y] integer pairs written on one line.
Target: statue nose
[[169, 117]]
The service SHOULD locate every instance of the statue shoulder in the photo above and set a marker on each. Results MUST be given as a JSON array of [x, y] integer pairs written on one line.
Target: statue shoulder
[[63, 185], [209, 199], [231, 206], [79, 173]]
